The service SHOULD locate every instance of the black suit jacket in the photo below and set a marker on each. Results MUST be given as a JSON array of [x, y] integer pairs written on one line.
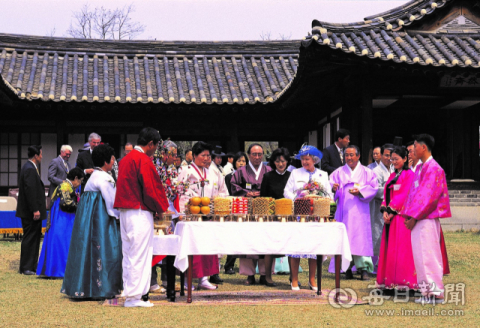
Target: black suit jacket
[[57, 173], [331, 159], [85, 161], [31, 193]]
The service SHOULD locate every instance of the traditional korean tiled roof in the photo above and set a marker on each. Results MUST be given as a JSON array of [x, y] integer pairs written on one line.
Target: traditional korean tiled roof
[[62, 69], [385, 37]]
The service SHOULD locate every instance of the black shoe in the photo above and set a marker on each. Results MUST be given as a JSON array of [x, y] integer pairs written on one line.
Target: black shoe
[[388, 292], [348, 275], [270, 284], [262, 281], [215, 279], [364, 275], [145, 297], [250, 281], [299, 284], [230, 271], [28, 273]]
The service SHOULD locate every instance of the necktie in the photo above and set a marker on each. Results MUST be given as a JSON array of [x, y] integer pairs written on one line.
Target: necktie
[[38, 172], [66, 166], [340, 152]]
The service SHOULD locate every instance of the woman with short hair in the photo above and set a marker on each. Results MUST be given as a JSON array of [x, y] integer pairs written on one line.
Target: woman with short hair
[[94, 266], [273, 185], [53, 258], [196, 175], [296, 188], [240, 159]]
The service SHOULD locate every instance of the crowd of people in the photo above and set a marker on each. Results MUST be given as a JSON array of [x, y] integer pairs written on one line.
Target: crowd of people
[[100, 230]]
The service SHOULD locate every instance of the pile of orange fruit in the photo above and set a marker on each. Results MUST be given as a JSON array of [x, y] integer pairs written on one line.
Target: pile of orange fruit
[[199, 205]]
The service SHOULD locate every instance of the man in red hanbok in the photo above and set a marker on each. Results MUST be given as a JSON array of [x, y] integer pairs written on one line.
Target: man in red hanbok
[[139, 196], [427, 202]]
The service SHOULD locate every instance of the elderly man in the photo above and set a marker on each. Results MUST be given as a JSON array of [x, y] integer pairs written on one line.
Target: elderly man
[[59, 168], [382, 171], [247, 181], [413, 160], [84, 159], [126, 150], [355, 186], [139, 196], [31, 208], [333, 155], [377, 155]]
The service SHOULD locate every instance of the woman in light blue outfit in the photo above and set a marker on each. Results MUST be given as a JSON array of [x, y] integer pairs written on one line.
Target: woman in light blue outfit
[[297, 188], [53, 258]]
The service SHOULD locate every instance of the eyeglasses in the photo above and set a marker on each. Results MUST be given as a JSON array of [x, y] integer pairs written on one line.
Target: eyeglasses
[[256, 154]]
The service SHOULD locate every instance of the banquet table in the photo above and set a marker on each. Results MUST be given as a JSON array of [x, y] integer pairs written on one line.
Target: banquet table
[[255, 238], [9, 223], [168, 245]]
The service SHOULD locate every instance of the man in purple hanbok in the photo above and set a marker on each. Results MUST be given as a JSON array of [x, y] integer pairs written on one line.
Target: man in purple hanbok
[[247, 182], [427, 202], [355, 186]]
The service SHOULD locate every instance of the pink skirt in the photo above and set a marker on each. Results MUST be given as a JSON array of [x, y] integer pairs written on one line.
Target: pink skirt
[[205, 265], [396, 268]]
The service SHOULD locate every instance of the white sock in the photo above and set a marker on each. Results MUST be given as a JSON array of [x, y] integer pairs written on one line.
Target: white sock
[[202, 279]]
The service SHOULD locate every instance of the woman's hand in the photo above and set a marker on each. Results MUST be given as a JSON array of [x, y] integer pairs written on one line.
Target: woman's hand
[[386, 218], [354, 191]]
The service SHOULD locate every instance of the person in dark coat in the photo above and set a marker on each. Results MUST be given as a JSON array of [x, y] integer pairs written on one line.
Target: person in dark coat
[[84, 159], [59, 168], [32, 209], [333, 155]]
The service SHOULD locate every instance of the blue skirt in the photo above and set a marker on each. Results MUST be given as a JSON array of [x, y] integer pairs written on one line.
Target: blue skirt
[[53, 258], [94, 265]]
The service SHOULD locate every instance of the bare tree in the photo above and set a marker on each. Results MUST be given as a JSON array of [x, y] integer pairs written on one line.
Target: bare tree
[[51, 32], [104, 23], [266, 36], [125, 28], [284, 37]]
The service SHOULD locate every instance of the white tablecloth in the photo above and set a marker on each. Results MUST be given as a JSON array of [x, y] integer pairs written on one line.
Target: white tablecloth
[[165, 245], [196, 238]]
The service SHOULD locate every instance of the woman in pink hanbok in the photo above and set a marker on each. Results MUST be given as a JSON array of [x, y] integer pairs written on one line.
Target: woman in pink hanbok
[[396, 269]]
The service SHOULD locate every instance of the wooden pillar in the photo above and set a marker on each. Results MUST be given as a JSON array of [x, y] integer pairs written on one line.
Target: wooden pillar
[[366, 123]]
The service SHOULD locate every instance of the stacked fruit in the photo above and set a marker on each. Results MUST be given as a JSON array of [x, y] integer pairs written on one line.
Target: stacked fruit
[[240, 205], [283, 206], [303, 206], [199, 205]]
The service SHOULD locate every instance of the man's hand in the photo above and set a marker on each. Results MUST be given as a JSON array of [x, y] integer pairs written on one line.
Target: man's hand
[[410, 162], [354, 191], [410, 223], [335, 187], [253, 194], [89, 171], [36, 215]]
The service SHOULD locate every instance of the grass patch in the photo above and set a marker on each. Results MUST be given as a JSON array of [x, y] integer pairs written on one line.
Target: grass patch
[[31, 301]]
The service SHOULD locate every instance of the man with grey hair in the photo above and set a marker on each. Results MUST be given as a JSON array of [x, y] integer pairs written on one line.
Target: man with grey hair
[[84, 159], [59, 168]]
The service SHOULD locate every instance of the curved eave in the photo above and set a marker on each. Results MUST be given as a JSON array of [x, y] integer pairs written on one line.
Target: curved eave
[[417, 49], [393, 19]]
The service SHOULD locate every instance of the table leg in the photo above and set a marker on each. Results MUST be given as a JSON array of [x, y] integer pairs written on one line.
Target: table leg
[[170, 278], [338, 260], [319, 274], [182, 283], [189, 278]]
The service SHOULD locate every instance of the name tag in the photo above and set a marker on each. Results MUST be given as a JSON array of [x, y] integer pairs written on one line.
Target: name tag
[[249, 186], [396, 187], [416, 184]]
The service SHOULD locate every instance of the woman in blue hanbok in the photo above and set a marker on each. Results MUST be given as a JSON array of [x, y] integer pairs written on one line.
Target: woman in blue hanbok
[[94, 266], [53, 257]]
